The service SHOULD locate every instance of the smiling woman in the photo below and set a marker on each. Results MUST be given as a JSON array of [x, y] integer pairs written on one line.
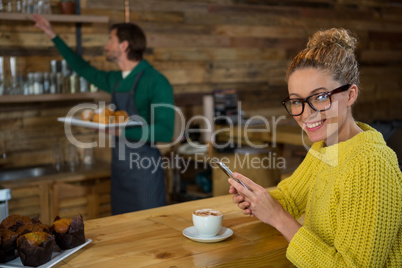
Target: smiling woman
[[329, 62], [349, 184], [328, 116]]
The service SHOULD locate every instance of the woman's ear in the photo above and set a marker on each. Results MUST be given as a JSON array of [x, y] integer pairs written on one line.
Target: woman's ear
[[353, 92]]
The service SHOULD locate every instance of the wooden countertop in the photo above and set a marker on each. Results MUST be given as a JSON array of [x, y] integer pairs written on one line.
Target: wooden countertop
[[97, 170], [153, 238]]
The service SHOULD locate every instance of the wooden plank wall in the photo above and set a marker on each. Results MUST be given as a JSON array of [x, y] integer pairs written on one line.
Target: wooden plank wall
[[202, 45]]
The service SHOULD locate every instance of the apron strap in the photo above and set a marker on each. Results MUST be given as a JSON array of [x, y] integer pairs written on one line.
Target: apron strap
[[131, 94], [114, 94]]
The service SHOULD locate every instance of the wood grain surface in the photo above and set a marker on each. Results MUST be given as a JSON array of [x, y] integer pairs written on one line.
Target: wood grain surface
[[204, 45], [153, 238]]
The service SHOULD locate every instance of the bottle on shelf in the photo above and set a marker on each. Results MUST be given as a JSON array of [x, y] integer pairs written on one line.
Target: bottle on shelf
[[46, 83], [66, 72], [43, 7], [38, 83], [14, 6], [74, 83], [30, 83], [59, 83], [52, 83]]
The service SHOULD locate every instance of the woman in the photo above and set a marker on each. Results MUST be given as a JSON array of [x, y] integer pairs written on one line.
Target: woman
[[349, 186]]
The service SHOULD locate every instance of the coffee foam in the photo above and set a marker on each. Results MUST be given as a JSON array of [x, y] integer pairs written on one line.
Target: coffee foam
[[207, 212]]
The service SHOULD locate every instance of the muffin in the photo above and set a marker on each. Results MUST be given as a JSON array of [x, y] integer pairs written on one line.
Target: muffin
[[105, 116], [35, 248], [102, 119], [68, 232], [8, 245], [61, 225], [120, 117], [13, 222], [87, 114], [34, 226]]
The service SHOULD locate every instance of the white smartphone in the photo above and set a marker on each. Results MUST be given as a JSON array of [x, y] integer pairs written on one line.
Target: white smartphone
[[229, 172]]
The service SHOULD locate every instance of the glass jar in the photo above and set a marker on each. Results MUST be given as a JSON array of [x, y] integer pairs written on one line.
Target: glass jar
[[12, 6], [83, 85], [74, 83], [39, 7], [46, 7], [59, 83], [43, 7], [52, 84], [29, 6], [31, 81], [38, 83], [46, 83]]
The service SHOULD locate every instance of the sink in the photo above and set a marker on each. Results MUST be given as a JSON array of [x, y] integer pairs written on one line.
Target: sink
[[26, 172]]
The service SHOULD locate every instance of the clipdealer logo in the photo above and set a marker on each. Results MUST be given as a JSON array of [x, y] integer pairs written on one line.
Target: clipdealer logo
[[235, 136]]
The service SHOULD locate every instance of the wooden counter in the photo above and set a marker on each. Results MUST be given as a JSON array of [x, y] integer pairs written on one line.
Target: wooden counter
[[85, 191], [153, 238]]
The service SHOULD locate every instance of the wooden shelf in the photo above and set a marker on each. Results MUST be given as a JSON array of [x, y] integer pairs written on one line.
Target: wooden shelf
[[56, 18], [100, 95]]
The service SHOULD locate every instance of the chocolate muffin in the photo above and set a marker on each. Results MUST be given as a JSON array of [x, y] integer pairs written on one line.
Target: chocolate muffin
[[35, 248], [33, 227], [8, 244], [68, 232], [13, 222]]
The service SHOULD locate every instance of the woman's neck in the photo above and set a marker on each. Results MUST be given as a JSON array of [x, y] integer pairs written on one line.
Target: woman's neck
[[344, 133]]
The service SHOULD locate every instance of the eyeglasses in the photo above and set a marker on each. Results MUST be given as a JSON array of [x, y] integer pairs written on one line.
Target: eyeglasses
[[319, 102]]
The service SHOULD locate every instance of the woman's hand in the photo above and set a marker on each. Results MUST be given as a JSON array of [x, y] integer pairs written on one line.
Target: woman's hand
[[255, 200], [43, 24], [258, 202], [240, 201]]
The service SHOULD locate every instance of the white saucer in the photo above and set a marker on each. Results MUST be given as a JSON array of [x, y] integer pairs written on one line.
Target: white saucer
[[192, 233]]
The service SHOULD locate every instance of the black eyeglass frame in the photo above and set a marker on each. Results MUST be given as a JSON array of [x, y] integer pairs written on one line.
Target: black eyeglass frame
[[306, 100]]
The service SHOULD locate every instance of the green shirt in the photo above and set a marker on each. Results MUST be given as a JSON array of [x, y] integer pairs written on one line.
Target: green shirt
[[152, 89]]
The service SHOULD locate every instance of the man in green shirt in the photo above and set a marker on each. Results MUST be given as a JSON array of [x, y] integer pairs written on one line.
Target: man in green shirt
[[137, 175]]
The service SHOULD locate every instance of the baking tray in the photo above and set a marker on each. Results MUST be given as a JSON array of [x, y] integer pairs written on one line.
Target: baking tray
[[81, 123], [57, 256]]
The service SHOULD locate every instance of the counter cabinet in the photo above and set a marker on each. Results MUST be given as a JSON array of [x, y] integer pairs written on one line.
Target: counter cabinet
[[64, 195]]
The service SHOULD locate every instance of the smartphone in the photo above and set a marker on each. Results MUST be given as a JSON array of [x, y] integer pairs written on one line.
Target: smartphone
[[229, 172]]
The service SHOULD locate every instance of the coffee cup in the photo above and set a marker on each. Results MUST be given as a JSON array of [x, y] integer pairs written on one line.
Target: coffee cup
[[207, 221]]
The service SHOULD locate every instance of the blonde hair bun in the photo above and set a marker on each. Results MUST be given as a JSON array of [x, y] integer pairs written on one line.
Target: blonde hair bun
[[342, 38]]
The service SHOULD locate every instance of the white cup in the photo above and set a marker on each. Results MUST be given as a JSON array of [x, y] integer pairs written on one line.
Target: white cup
[[207, 221]]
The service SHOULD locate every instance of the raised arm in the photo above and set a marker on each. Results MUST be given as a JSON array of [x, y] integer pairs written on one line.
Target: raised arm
[[43, 24]]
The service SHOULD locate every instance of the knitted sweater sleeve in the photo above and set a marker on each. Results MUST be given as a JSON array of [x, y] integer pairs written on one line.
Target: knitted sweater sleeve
[[292, 192], [368, 217]]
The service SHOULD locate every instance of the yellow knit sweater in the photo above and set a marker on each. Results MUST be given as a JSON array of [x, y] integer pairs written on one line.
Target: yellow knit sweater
[[351, 195]]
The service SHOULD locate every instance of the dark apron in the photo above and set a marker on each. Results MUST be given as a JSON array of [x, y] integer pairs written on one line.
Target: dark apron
[[138, 181]]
